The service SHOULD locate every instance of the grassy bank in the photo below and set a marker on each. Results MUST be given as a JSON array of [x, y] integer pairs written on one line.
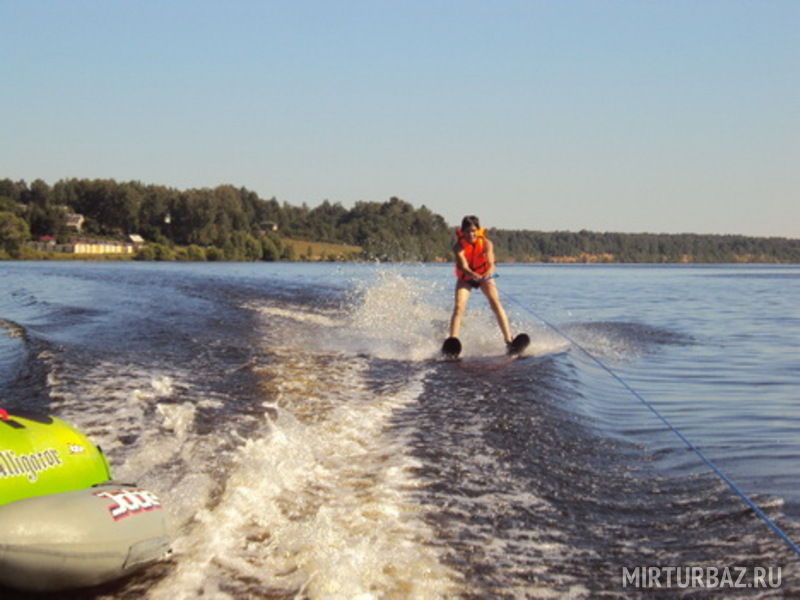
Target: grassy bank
[[305, 250]]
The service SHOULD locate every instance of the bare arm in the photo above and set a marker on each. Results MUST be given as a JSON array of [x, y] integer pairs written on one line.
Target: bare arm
[[489, 258]]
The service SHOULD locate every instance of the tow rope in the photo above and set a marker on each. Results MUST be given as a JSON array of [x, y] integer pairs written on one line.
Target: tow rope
[[731, 484]]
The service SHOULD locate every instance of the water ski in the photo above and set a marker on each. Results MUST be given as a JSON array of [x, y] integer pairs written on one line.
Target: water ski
[[518, 344], [451, 348]]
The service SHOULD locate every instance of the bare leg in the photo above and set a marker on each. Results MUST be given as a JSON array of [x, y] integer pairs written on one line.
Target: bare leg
[[463, 290], [489, 289]]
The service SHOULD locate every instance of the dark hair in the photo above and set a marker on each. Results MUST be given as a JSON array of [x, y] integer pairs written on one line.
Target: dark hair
[[470, 220]]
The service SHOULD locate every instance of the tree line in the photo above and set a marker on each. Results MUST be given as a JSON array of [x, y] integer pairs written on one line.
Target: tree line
[[221, 223], [589, 246], [234, 223]]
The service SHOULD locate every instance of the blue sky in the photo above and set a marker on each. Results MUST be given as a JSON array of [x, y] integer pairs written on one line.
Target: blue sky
[[660, 116]]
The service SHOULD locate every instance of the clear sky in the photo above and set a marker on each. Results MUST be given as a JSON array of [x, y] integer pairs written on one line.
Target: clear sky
[[658, 116]]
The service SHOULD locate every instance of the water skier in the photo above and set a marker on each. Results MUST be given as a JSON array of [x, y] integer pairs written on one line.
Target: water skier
[[475, 268]]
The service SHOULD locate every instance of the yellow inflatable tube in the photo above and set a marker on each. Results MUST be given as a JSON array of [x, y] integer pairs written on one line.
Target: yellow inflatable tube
[[64, 523], [41, 455]]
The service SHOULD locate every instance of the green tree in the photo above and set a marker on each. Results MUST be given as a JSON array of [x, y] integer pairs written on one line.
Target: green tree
[[195, 253], [214, 254], [14, 233], [145, 253], [288, 253], [269, 251], [13, 189], [44, 216], [8, 205]]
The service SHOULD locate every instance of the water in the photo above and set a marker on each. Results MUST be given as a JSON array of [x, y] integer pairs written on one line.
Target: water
[[307, 443]]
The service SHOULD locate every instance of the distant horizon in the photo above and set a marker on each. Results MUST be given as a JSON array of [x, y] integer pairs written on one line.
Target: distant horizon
[[348, 207], [623, 116]]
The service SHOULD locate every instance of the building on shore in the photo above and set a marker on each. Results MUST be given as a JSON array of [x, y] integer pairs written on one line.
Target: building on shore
[[75, 221], [48, 244]]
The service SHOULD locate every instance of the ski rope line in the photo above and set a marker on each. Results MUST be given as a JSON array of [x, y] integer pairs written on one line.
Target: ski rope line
[[762, 515]]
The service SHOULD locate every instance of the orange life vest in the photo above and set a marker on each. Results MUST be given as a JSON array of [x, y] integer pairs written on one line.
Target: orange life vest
[[474, 253]]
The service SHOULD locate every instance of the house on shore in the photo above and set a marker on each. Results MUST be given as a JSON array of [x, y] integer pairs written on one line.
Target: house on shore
[[75, 221], [48, 244]]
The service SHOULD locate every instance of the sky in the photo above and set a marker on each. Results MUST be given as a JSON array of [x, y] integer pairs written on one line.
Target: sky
[[630, 116]]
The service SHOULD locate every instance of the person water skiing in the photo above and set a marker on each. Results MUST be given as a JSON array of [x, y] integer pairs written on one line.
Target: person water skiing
[[475, 266]]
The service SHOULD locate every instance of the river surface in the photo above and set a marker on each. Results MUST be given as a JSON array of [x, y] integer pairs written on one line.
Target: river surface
[[307, 442]]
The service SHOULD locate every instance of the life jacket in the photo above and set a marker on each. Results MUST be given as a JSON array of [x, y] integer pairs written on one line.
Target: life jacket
[[474, 253]]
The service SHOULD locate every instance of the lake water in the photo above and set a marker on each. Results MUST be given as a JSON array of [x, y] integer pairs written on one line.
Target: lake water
[[307, 442]]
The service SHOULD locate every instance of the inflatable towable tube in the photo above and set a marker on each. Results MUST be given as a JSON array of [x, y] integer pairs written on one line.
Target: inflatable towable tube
[[63, 523]]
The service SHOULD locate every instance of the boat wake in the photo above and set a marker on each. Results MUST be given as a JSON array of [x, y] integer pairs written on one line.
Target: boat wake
[[310, 444]]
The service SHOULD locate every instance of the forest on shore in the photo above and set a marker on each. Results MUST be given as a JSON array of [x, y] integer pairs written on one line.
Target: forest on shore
[[233, 223]]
